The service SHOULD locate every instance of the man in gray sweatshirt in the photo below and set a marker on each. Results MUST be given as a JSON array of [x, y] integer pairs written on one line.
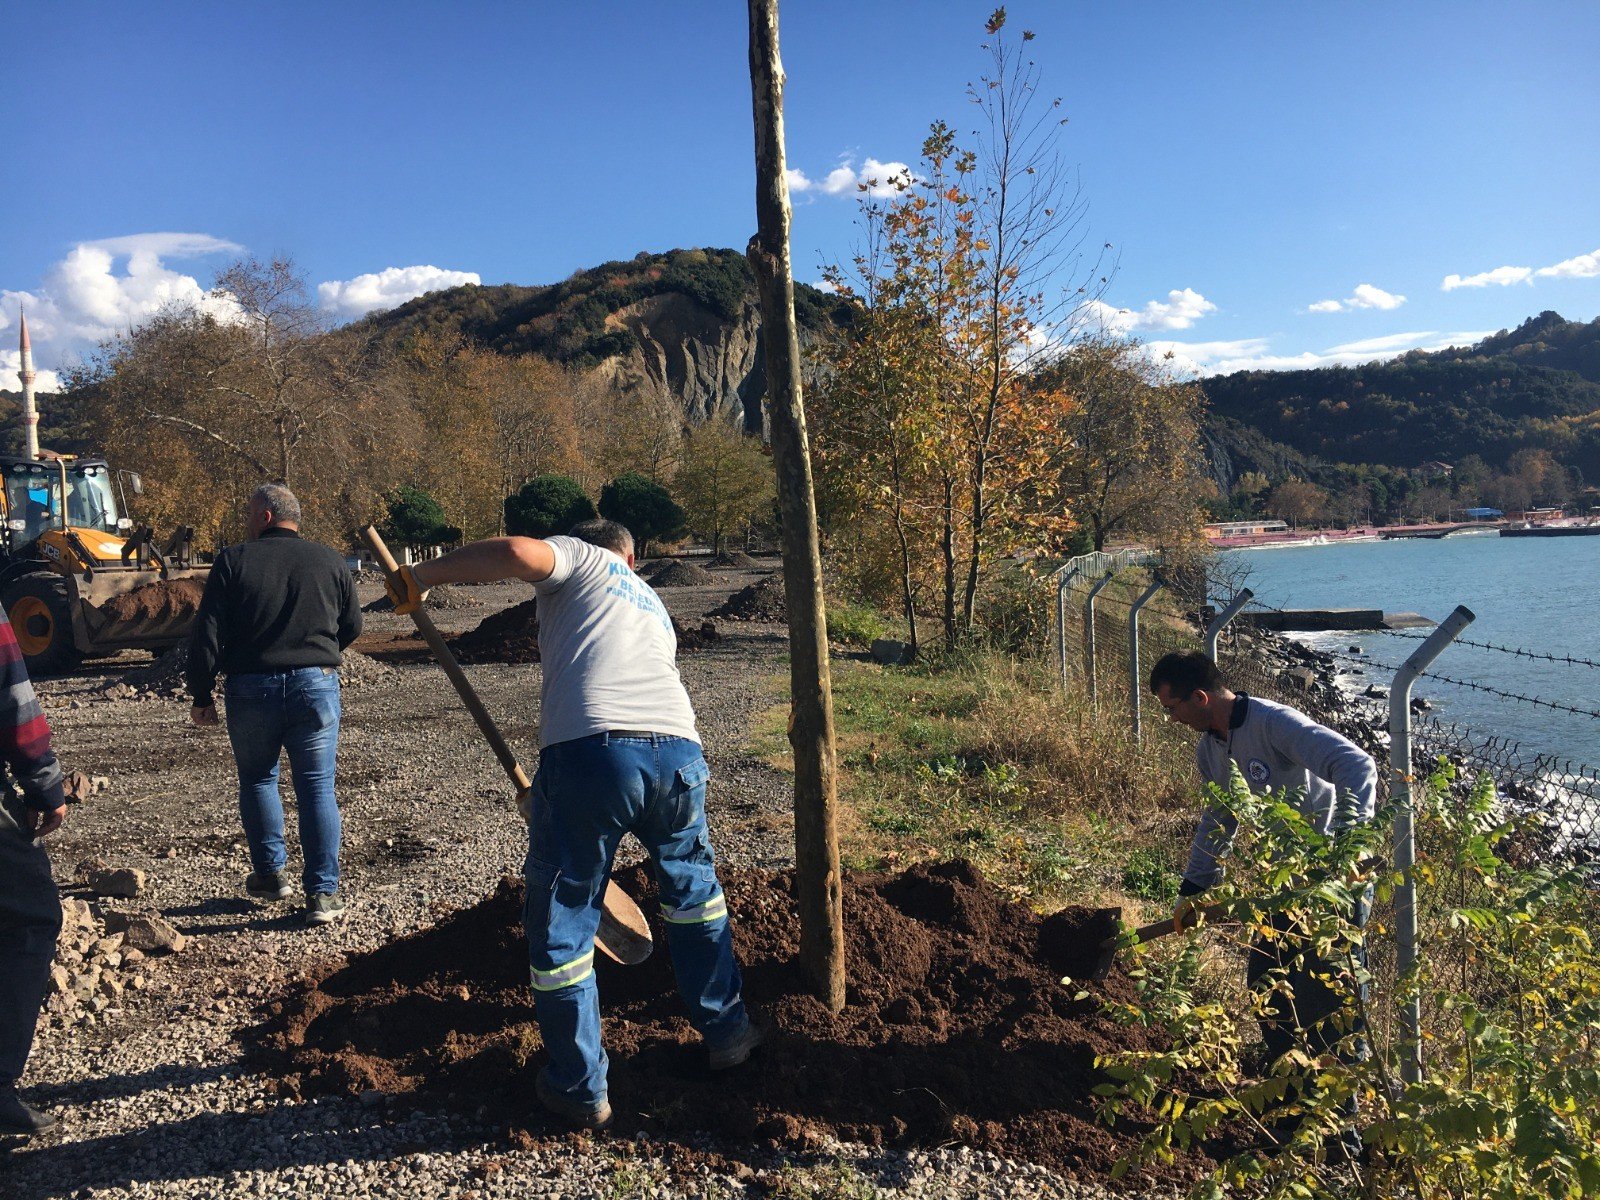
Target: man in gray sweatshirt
[[1281, 750]]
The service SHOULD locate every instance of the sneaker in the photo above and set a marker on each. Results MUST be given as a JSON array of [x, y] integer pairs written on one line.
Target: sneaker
[[20, 1119], [573, 1112], [268, 885], [324, 908], [737, 1051]]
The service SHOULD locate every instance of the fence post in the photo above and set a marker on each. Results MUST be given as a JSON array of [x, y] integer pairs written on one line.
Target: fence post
[[1405, 836], [1220, 621], [1064, 578], [1088, 631], [1134, 696]]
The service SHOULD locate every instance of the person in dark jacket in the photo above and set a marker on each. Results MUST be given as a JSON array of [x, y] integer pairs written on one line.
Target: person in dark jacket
[[277, 614], [30, 908]]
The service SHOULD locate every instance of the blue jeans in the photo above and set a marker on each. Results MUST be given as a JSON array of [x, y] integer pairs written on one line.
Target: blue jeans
[[588, 793], [297, 711]]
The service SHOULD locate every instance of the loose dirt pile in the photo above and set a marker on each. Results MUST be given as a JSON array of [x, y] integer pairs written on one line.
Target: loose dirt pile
[[443, 598], [159, 601], [508, 636], [738, 560], [679, 574], [512, 636], [957, 1027], [761, 601]]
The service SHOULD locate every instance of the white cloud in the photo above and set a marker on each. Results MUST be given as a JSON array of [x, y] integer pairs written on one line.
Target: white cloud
[[1256, 354], [102, 288], [876, 178], [1500, 276], [1581, 266], [1181, 309], [1584, 266], [1366, 295], [351, 298]]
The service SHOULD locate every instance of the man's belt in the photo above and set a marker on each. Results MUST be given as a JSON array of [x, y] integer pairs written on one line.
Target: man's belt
[[633, 733]]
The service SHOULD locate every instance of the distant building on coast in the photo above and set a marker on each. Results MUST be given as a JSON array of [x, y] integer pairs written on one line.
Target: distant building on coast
[[1484, 514], [1237, 529]]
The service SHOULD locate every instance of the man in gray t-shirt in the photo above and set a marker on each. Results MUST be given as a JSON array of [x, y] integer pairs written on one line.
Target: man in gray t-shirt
[[619, 753]]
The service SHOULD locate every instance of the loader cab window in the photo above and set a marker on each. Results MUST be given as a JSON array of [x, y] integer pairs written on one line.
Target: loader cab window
[[91, 504], [31, 500]]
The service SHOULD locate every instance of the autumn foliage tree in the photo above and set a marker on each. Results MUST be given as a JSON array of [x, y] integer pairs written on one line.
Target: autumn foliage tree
[[971, 279]]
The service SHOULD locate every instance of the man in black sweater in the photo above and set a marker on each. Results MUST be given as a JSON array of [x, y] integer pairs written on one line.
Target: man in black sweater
[[277, 613]]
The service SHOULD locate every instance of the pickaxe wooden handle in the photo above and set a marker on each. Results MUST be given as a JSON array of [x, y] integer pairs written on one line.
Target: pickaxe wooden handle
[[624, 934]]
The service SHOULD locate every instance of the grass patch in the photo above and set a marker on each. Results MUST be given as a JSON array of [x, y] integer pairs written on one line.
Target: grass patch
[[982, 757]]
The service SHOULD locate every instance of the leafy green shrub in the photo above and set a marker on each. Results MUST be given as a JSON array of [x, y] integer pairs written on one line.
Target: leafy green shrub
[[1015, 609], [547, 505], [1506, 1105], [644, 506], [1149, 878], [855, 624], [417, 519]]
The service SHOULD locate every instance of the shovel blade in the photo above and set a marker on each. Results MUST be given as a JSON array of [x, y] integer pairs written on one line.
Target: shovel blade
[[624, 934]]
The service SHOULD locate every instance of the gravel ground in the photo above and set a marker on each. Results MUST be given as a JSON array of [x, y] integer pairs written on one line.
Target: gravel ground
[[153, 1096]]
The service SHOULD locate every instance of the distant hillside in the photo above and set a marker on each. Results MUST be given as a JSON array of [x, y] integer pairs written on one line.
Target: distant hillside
[[1536, 386], [686, 320]]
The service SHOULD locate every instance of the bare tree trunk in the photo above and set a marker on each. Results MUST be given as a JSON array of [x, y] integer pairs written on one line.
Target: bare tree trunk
[[947, 544], [816, 840]]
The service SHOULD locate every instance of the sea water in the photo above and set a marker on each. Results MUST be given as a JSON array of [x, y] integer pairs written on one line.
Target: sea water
[[1539, 594]]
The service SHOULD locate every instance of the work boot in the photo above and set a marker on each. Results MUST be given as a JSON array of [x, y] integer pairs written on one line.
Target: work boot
[[736, 1050], [573, 1112], [20, 1119], [268, 885], [324, 908]]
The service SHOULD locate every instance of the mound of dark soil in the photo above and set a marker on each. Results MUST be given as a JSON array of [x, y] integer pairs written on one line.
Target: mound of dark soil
[[761, 601], [508, 636], [512, 636], [695, 637], [680, 574], [158, 601], [738, 560], [957, 1027]]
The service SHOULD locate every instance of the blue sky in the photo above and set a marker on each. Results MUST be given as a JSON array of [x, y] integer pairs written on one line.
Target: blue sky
[[1274, 177]]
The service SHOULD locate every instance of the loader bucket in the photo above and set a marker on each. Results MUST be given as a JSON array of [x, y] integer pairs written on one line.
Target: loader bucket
[[127, 609]]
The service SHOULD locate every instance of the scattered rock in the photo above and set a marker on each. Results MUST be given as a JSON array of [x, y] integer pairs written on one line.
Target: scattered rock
[[125, 882], [79, 787], [1374, 692], [146, 932]]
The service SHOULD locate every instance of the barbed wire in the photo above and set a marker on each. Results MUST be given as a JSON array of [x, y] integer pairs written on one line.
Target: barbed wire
[[1514, 651]]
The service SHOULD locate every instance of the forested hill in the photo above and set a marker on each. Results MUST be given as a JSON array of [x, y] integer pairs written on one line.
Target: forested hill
[[1537, 386], [575, 322]]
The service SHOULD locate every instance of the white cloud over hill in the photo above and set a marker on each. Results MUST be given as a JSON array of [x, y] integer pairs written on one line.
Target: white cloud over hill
[[1257, 354], [392, 286], [1580, 266]]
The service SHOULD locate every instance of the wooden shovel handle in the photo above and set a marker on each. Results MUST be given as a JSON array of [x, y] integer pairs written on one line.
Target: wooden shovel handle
[[1160, 929], [447, 660]]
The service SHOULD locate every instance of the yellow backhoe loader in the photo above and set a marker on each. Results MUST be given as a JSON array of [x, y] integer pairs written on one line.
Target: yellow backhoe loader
[[76, 577]]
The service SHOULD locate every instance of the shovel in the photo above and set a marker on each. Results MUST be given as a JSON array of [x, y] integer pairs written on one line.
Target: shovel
[[1145, 933], [624, 935]]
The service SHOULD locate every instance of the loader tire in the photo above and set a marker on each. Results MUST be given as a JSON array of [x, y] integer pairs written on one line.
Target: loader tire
[[37, 608]]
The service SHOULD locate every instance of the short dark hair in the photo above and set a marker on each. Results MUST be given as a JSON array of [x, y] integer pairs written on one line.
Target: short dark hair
[[1185, 672], [608, 535]]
